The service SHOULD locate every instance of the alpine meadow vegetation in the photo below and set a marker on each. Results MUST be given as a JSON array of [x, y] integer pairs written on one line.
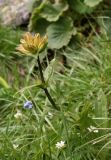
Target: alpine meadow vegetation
[[55, 83]]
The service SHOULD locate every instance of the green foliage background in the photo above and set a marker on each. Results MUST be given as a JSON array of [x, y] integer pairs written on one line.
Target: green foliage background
[[79, 31], [60, 19]]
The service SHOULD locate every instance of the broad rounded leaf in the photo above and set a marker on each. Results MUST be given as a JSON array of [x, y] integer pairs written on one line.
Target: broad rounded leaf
[[92, 3], [35, 17], [44, 13], [39, 26], [52, 12], [60, 32], [79, 6]]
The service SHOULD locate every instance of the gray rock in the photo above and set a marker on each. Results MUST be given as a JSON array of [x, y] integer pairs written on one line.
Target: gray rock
[[15, 12]]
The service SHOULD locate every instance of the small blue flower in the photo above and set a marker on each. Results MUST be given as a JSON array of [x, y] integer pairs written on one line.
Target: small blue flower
[[28, 105]]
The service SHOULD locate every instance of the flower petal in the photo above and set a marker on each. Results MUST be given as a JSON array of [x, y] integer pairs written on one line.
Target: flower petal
[[21, 49]]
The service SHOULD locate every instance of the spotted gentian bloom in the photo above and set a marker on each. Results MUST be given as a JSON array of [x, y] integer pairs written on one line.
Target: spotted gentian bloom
[[28, 105], [32, 44]]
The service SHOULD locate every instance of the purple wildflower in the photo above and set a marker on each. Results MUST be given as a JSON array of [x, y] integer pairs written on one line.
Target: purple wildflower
[[28, 105]]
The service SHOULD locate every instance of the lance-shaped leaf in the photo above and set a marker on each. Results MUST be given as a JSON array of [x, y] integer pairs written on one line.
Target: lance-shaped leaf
[[4, 83], [101, 109]]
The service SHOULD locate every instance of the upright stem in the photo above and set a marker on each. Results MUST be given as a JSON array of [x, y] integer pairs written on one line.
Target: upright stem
[[43, 81]]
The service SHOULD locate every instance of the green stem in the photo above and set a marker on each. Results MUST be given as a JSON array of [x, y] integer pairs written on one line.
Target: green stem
[[43, 81]]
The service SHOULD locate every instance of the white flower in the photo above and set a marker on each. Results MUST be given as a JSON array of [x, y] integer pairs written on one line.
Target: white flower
[[93, 129], [50, 115], [60, 144], [18, 115], [15, 146]]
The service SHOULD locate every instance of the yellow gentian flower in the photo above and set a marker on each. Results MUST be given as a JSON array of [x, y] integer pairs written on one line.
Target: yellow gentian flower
[[32, 44]]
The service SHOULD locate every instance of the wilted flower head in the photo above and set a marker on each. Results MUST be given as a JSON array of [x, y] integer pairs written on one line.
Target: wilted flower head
[[60, 144], [18, 115], [28, 105], [32, 44], [92, 129]]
